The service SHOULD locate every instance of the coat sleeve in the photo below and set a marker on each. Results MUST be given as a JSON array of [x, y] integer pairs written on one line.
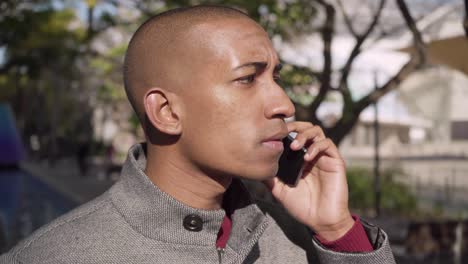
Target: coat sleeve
[[8, 259], [382, 253], [302, 236]]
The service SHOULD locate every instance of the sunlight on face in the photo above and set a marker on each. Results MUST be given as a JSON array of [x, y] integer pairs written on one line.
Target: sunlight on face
[[233, 105]]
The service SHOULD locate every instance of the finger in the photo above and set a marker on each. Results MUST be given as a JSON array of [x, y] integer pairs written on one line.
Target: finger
[[325, 146], [307, 136], [298, 126]]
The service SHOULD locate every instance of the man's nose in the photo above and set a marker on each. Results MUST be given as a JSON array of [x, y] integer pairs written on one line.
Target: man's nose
[[278, 104]]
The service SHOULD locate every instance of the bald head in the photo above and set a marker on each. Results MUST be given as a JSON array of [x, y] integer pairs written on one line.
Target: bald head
[[203, 81], [158, 52]]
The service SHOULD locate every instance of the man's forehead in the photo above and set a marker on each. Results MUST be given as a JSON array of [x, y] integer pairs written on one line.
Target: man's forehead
[[239, 40]]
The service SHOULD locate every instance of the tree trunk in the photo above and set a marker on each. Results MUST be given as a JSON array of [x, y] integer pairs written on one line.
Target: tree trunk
[[342, 128], [465, 21]]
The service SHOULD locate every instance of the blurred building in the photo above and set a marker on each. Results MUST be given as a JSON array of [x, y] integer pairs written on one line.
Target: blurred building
[[436, 124], [427, 117], [424, 123], [426, 110]]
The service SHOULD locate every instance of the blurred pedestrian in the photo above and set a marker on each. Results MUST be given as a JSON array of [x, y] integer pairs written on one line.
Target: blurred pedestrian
[[82, 157]]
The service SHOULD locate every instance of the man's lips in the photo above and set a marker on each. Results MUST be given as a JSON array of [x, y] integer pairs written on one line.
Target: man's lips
[[275, 141], [278, 136], [274, 144]]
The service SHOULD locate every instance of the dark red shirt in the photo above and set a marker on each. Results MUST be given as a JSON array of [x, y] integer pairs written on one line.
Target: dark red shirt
[[355, 240]]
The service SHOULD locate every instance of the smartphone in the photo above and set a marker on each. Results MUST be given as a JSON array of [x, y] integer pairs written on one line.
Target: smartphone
[[291, 162]]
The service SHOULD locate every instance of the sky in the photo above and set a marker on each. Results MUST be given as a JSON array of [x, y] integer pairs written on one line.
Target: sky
[[378, 63]]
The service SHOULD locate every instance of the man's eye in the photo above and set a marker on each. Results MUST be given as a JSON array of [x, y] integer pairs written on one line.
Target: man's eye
[[247, 79]]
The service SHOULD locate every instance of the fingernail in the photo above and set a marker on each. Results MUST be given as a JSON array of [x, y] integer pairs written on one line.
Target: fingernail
[[295, 144]]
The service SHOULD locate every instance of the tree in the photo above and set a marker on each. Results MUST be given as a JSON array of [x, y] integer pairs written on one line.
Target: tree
[[45, 56], [353, 108], [36, 73], [465, 21], [289, 18], [52, 74]]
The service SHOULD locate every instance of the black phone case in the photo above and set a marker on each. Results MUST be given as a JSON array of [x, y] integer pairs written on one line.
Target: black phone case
[[290, 163]]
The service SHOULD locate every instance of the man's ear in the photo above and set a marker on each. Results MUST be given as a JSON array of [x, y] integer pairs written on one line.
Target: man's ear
[[159, 107]]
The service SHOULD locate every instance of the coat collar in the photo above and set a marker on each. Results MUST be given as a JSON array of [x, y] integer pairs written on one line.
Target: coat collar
[[157, 215]]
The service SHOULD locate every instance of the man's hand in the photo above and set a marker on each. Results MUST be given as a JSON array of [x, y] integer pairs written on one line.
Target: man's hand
[[320, 199]]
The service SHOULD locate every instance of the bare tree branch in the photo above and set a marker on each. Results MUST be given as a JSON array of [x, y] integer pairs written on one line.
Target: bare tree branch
[[385, 33], [414, 63], [418, 41], [348, 102], [357, 47], [351, 111], [391, 85], [345, 124], [90, 31], [465, 21], [347, 19], [327, 36]]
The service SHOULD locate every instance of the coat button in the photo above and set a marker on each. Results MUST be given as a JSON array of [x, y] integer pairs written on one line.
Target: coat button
[[193, 223]]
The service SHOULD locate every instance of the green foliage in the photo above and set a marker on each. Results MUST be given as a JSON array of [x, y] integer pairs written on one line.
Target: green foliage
[[102, 65], [118, 51], [296, 81], [134, 122], [395, 196], [293, 75], [111, 92], [39, 71], [40, 35], [111, 89], [284, 18], [49, 56]]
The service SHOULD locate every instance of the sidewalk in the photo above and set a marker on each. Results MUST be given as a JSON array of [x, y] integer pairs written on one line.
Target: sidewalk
[[64, 177]]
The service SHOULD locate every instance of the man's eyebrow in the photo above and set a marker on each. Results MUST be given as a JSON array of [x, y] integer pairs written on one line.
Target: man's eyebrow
[[259, 65], [255, 64]]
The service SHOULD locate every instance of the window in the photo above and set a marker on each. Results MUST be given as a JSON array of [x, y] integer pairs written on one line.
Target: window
[[459, 130]]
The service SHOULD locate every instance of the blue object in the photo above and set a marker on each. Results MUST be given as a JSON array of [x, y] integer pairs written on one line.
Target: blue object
[[27, 203], [11, 147]]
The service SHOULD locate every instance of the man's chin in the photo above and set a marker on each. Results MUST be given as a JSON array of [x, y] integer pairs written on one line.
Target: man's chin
[[258, 178], [260, 172]]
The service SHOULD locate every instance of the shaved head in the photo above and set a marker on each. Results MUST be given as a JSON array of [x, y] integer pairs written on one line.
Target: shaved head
[[203, 81], [158, 54]]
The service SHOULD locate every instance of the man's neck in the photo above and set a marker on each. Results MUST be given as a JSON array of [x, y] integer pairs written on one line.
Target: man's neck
[[184, 183]]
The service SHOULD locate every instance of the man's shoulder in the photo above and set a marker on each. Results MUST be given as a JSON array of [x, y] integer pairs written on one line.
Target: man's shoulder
[[68, 234]]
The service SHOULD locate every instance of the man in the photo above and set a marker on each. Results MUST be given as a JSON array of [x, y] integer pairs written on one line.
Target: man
[[202, 81]]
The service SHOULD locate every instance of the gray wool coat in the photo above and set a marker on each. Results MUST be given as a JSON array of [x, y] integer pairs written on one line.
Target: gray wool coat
[[135, 222]]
